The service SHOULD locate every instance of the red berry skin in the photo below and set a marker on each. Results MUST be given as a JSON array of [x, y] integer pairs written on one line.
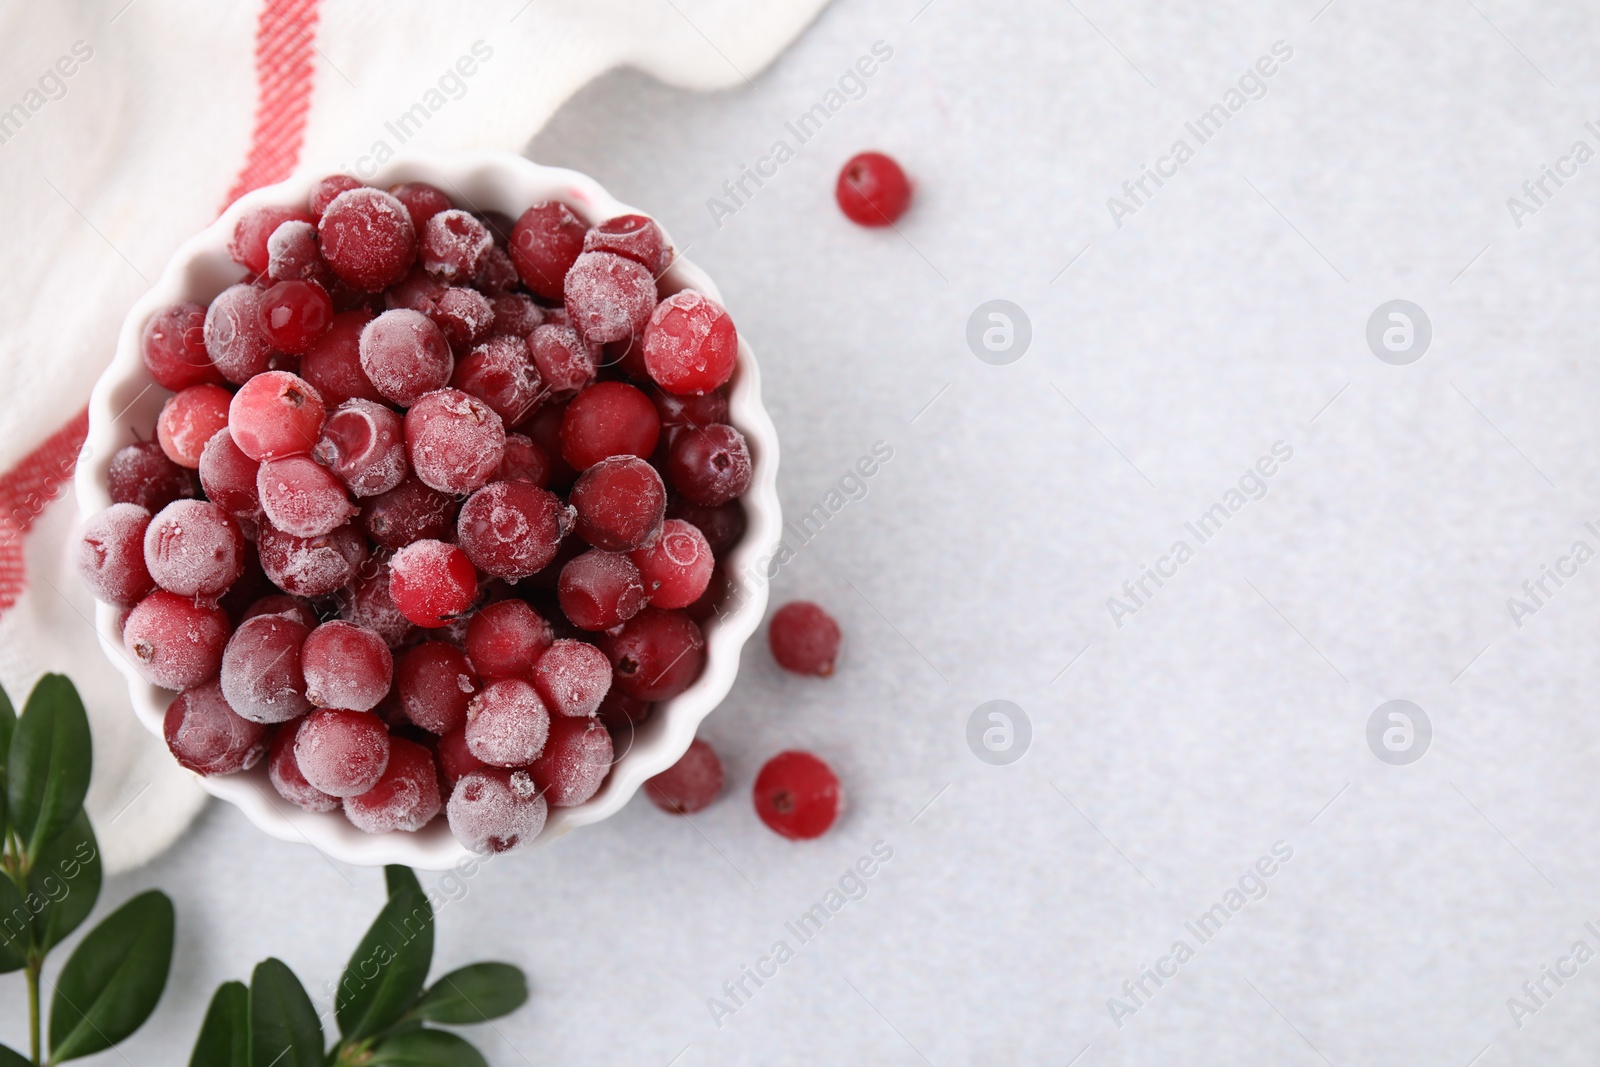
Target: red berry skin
[[311, 566], [261, 669], [600, 590], [455, 759], [289, 782], [451, 244], [366, 602], [512, 529], [174, 348], [691, 784], [333, 363], [454, 440], [229, 476], [233, 336], [435, 682], [111, 555], [189, 419], [575, 761], [296, 608], [464, 316], [301, 497], [275, 414], [249, 244], [143, 474], [709, 603], [501, 374], [293, 314], [797, 795], [722, 525], [422, 201], [405, 798], [620, 502], [323, 193], [691, 410], [417, 291], [621, 712], [545, 242], [872, 190], [342, 753], [194, 548], [495, 810], [405, 356], [573, 678], [409, 512], [294, 255], [365, 445], [710, 465], [634, 236], [523, 461], [608, 298], [676, 568], [346, 666], [432, 583], [207, 737], [507, 724], [608, 419], [804, 639], [506, 639], [367, 238], [690, 344], [515, 314], [656, 654], [174, 641]]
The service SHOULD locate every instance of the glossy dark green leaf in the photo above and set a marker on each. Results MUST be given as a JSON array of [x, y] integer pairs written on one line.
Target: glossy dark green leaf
[[474, 994], [114, 978], [49, 763], [12, 1058], [284, 1028], [65, 883], [427, 1048], [8, 726], [225, 1035], [389, 966], [15, 925]]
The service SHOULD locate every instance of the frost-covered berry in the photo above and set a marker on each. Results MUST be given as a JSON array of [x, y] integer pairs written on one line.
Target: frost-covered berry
[[261, 672], [404, 355], [194, 548], [634, 236], [346, 666], [365, 445], [409, 512], [405, 798], [804, 638], [311, 566], [567, 363], [572, 678], [495, 810], [229, 476], [111, 555], [367, 238], [501, 374], [600, 590], [620, 502], [250, 234], [233, 336], [545, 242], [301, 497], [333, 365], [710, 465], [512, 529], [432, 583], [286, 778], [691, 784], [505, 639], [574, 763], [609, 298], [342, 753], [434, 682], [690, 344], [207, 737], [676, 568], [174, 348], [454, 441], [190, 419], [143, 474], [507, 723], [452, 244], [175, 641]]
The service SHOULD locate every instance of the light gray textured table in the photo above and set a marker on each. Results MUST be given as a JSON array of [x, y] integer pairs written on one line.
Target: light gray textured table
[[1228, 714]]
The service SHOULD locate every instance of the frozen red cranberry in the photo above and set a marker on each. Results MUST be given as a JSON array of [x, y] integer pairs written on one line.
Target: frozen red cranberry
[[342, 753], [463, 315], [366, 602], [302, 498], [575, 761], [175, 641], [174, 348], [620, 712], [111, 555], [422, 201], [656, 655], [346, 666], [409, 512], [494, 810], [499, 225], [710, 465], [515, 314], [566, 362], [365, 445], [454, 441], [287, 779], [506, 639], [434, 683], [797, 795], [451, 245], [311, 566], [523, 461], [709, 603], [261, 671], [872, 190], [501, 374], [326, 190], [194, 548], [572, 678], [496, 273], [367, 238], [292, 314], [417, 291], [143, 474], [723, 525], [634, 237], [406, 798], [690, 410], [233, 336], [275, 414], [608, 297], [294, 255], [251, 585], [405, 355], [545, 242], [207, 737], [507, 723], [804, 638], [690, 345], [608, 419], [691, 784], [432, 582], [249, 244], [333, 364], [229, 476], [297, 608], [455, 759], [677, 568], [189, 419], [512, 529], [620, 503], [544, 429], [600, 590]]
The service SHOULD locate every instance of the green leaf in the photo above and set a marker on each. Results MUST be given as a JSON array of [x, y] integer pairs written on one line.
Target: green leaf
[[8, 726], [65, 882], [474, 994], [427, 1048], [114, 978], [389, 966], [11, 1058], [49, 762], [284, 1028], [225, 1035], [16, 923]]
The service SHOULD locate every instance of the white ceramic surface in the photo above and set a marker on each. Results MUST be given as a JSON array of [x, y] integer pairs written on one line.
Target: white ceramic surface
[[126, 402]]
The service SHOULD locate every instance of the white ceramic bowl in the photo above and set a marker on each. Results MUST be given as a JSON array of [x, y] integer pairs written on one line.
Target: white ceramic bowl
[[126, 402]]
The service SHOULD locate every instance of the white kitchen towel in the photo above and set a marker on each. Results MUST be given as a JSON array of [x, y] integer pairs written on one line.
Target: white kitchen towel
[[124, 128]]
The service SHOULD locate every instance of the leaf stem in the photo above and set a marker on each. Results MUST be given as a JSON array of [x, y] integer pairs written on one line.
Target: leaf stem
[[34, 965]]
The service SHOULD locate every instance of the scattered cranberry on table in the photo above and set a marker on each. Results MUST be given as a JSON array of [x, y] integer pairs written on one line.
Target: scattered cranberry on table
[[691, 784], [797, 795], [873, 190], [804, 638]]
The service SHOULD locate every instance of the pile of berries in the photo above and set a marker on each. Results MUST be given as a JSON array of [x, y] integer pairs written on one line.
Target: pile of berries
[[433, 515]]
